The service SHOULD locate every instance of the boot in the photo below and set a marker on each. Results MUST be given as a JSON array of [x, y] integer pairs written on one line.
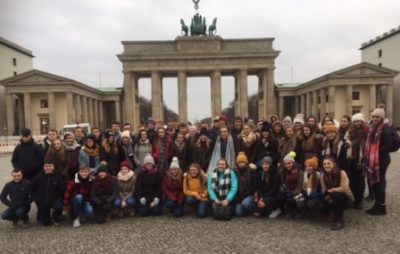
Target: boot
[[372, 209], [337, 223], [379, 210]]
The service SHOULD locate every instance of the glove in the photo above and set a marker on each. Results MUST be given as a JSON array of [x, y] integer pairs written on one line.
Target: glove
[[143, 201], [252, 166], [156, 201]]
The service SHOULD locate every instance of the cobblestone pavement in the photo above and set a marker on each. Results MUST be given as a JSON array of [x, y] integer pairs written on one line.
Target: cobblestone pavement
[[362, 234]]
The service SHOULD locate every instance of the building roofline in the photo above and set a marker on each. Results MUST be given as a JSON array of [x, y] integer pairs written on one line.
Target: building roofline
[[18, 48], [379, 38]]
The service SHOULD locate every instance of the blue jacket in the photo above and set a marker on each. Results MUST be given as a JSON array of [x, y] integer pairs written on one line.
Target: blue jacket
[[233, 188]]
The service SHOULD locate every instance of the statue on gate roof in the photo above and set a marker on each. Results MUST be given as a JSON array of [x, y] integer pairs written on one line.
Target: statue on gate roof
[[198, 25]]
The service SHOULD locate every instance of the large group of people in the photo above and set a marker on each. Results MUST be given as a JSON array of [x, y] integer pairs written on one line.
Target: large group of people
[[269, 168]]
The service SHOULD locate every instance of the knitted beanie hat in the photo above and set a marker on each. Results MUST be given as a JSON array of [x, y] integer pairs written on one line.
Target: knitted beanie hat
[[379, 112], [358, 117], [175, 163], [126, 134], [125, 164], [299, 119], [267, 159], [91, 136], [68, 133], [290, 156], [102, 168], [148, 159], [287, 119], [330, 128], [241, 158], [313, 162]]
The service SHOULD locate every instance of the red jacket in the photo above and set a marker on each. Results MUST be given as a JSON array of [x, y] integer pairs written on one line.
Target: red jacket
[[75, 187], [174, 193], [157, 151]]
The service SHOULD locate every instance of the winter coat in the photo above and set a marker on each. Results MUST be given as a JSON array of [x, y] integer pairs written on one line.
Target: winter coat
[[192, 186], [148, 185], [113, 160], [28, 157], [46, 188], [269, 148], [73, 163], [247, 183], [75, 187], [174, 193], [126, 185], [84, 159], [248, 146], [202, 154], [268, 189], [15, 195], [181, 154], [100, 194]]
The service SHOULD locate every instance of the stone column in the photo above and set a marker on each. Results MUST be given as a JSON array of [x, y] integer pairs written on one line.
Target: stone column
[[323, 103], [216, 106], [128, 98], [372, 97], [21, 122], [331, 95], [90, 111], [78, 108], [182, 97], [118, 110], [349, 100], [389, 102], [27, 110], [52, 110], [101, 115], [303, 104], [156, 97], [314, 110], [10, 114], [281, 109], [308, 104], [271, 100], [136, 104], [262, 108], [70, 107], [96, 112], [296, 104], [241, 96], [85, 117]]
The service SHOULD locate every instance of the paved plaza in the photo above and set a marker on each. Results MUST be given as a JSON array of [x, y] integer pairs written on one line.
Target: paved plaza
[[362, 233]]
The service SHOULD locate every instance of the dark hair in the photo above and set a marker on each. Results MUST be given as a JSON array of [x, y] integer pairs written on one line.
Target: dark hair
[[115, 122], [347, 117], [127, 124], [16, 170], [331, 158], [78, 128], [226, 162]]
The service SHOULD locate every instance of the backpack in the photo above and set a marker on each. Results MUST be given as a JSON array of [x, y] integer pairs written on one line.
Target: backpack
[[395, 140]]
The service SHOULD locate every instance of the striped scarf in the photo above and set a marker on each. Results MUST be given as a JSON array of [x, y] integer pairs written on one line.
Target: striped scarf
[[223, 185], [371, 153]]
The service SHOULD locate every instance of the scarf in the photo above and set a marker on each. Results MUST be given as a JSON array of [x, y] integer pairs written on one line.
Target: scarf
[[71, 147], [310, 182], [216, 154], [221, 186], [125, 178], [92, 151], [249, 139], [371, 154], [287, 145], [179, 145], [104, 184], [332, 179], [175, 182], [331, 147], [292, 178]]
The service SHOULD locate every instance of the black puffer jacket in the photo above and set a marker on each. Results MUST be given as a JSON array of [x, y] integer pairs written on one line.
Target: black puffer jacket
[[47, 188], [28, 157]]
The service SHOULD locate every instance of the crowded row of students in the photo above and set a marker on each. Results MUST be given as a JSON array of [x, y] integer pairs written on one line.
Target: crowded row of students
[[265, 170]]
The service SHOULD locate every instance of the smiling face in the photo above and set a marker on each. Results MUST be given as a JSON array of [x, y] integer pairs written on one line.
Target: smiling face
[[143, 135], [311, 121], [288, 164], [224, 133], [124, 171], [96, 132], [266, 167], [161, 133], [89, 143], [180, 138], [84, 173], [69, 140], [376, 120], [174, 171], [306, 131], [328, 165], [52, 135], [289, 132], [246, 129], [344, 123], [308, 168], [194, 171], [331, 135], [57, 144], [221, 165], [358, 124], [48, 168]]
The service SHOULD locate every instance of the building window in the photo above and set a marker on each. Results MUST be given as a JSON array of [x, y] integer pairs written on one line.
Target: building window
[[380, 53], [356, 95], [15, 73], [15, 61], [356, 110], [380, 64], [44, 103], [327, 98], [44, 124]]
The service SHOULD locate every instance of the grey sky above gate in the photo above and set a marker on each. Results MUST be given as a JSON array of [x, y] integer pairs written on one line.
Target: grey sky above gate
[[80, 39]]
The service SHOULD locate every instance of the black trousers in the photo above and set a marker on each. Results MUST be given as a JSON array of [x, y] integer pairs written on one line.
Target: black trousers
[[337, 204], [379, 188], [357, 183]]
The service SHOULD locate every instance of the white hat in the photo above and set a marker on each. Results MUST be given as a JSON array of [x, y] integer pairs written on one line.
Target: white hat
[[126, 134], [358, 117], [299, 119], [290, 156], [148, 159], [379, 112], [175, 163], [287, 118]]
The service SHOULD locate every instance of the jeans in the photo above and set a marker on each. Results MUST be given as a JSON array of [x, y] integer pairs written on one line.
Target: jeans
[[19, 213], [131, 202], [146, 210], [80, 205], [173, 206], [202, 207], [244, 207], [43, 212]]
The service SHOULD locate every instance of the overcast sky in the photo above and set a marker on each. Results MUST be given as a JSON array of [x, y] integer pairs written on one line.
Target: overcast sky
[[80, 39]]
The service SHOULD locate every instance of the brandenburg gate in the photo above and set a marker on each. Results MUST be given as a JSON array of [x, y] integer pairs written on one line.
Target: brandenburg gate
[[198, 55]]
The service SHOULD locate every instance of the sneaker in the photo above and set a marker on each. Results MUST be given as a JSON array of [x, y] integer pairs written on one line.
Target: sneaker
[[57, 222], [275, 213], [76, 223], [337, 225]]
